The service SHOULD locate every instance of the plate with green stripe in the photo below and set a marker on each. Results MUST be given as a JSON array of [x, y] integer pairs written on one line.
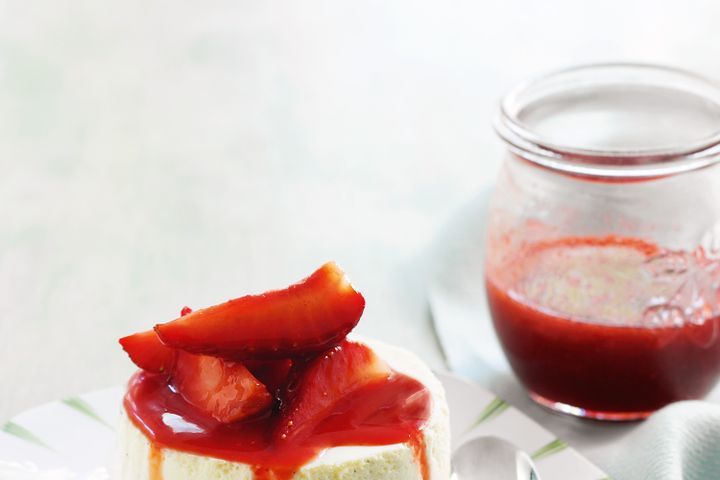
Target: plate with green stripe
[[74, 438]]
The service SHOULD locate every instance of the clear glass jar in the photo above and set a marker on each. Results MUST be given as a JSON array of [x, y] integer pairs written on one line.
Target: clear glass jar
[[603, 258]]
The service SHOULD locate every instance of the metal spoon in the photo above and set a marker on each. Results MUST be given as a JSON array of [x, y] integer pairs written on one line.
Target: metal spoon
[[492, 458]]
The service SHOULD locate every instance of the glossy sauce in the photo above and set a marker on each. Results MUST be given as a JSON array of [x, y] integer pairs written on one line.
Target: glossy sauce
[[383, 413], [576, 329], [417, 444], [155, 461]]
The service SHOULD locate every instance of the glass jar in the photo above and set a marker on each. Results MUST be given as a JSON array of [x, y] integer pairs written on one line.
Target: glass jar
[[603, 258]]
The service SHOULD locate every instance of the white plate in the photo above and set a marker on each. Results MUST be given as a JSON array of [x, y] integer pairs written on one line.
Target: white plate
[[75, 438]]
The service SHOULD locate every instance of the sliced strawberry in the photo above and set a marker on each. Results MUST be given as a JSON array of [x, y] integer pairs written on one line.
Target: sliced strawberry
[[271, 373], [223, 389], [325, 381], [148, 352], [308, 317]]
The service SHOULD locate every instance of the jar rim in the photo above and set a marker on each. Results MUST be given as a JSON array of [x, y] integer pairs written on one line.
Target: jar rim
[[637, 162]]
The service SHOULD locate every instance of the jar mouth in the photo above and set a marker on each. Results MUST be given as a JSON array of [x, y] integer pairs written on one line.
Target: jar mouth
[[614, 120]]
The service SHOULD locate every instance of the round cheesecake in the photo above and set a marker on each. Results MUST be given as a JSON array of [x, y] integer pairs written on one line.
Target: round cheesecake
[[141, 460]]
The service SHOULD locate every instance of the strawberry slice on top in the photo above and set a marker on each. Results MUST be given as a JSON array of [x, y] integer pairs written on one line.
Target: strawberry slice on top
[[325, 381], [305, 318], [147, 352], [225, 390]]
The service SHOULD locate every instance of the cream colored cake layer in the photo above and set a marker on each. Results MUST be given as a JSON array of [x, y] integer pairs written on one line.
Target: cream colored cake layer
[[395, 462]]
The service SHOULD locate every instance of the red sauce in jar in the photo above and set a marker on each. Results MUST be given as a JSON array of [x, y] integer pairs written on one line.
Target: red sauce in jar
[[381, 413], [574, 320]]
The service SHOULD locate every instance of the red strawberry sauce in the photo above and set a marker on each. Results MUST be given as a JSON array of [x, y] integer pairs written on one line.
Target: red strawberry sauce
[[381, 413], [569, 315]]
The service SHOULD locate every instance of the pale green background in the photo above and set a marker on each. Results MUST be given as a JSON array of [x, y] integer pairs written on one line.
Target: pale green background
[[155, 154]]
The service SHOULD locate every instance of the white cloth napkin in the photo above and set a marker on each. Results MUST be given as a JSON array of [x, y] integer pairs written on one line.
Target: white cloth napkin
[[681, 441]]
